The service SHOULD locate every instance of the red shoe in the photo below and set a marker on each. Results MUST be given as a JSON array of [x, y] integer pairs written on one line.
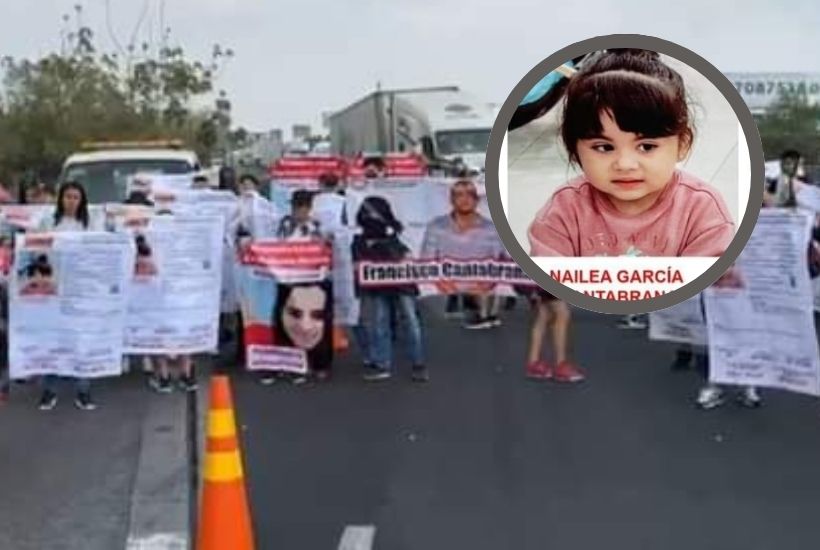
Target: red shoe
[[568, 372], [540, 370]]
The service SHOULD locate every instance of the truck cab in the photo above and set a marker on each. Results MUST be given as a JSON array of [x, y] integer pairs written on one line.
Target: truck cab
[[103, 168]]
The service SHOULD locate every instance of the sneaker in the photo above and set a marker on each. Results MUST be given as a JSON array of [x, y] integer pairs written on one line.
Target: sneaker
[[187, 384], [267, 379], [494, 321], [749, 398], [160, 385], [419, 373], [479, 323], [632, 322], [710, 397], [374, 374], [566, 371], [540, 370], [299, 380], [83, 402], [47, 401]]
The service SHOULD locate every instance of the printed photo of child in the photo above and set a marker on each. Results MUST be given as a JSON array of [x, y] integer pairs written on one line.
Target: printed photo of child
[[37, 277], [627, 126], [144, 265]]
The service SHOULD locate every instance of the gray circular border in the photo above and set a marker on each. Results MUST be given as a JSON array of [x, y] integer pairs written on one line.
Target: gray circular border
[[499, 131]]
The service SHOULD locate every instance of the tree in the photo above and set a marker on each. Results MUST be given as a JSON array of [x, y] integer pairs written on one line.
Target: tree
[[792, 123], [50, 106]]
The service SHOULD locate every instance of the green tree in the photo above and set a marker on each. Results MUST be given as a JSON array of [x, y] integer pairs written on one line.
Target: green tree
[[50, 106], [792, 123]]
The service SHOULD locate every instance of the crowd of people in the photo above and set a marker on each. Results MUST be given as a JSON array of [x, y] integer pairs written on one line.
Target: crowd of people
[[388, 314]]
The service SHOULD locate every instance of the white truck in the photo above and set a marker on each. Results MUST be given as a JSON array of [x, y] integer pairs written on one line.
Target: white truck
[[103, 168], [448, 126]]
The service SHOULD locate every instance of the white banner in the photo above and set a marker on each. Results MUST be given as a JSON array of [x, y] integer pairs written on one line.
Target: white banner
[[208, 202], [683, 323], [426, 208], [174, 302], [761, 321], [148, 183], [67, 304]]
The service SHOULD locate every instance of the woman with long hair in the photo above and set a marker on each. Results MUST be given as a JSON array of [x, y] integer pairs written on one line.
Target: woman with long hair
[[71, 214]]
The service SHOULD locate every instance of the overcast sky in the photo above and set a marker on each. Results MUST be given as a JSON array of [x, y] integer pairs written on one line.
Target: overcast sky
[[297, 58]]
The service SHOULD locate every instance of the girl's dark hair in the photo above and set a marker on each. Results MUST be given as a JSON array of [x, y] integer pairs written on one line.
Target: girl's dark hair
[[301, 198], [790, 154], [249, 177], [138, 197], [143, 248], [641, 93], [82, 209], [321, 356], [375, 216], [39, 266]]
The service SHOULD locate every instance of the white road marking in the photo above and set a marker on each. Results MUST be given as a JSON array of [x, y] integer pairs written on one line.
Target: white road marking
[[159, 541], [358, 537]]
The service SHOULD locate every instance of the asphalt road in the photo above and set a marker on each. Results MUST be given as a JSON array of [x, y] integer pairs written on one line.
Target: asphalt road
[[66, 476], [482, 458]]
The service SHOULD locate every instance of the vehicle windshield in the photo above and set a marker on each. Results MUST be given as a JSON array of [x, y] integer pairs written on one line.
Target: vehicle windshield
[[461, 142], [105, 181]]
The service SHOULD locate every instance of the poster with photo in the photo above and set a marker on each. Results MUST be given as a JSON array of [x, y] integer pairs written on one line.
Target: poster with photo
[[68, 301]]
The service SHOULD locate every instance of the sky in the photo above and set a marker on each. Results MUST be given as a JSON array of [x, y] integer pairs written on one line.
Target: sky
[[296, 59]]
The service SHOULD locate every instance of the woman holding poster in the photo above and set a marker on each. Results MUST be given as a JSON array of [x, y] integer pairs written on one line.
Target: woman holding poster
[[71, 214]]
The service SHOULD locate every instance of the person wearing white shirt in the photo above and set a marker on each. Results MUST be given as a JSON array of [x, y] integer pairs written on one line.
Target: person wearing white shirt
[[71, 214]]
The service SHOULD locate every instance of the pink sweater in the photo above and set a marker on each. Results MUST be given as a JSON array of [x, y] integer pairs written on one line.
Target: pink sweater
[[688, 219]]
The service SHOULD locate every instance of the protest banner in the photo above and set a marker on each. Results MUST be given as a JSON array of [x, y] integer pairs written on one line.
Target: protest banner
[[761, 327], [208, 202], [683, 323], [286, 296], [146, 183], [445, 224], [174, 303], [330, 210], [68, 299]]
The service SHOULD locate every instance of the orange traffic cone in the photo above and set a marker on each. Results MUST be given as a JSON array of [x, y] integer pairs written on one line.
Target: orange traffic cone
[[224, 515]]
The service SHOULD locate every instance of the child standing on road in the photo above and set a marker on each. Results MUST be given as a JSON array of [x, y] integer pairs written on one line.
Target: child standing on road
[[626, 123], [553, 314]]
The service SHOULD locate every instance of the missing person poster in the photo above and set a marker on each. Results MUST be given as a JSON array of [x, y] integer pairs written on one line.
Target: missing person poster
[[286, 296], [683, 323], [209, 202], [174, 303], [68, 300], [760, 316]]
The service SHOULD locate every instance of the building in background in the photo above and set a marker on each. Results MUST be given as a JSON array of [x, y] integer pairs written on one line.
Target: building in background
[[761, 91]]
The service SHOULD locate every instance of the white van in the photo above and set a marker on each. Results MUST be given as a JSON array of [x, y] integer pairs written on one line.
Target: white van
[[104, 169]]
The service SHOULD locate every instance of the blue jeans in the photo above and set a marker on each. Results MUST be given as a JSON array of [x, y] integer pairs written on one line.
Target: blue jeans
[[362, 341], [376, 314], [82, 385]]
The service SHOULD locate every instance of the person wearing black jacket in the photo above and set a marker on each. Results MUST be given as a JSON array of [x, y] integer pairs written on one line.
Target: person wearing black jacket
[[379, 241]]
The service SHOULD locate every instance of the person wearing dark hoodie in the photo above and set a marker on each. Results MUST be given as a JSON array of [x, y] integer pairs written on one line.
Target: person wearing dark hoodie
[[379, 241]]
